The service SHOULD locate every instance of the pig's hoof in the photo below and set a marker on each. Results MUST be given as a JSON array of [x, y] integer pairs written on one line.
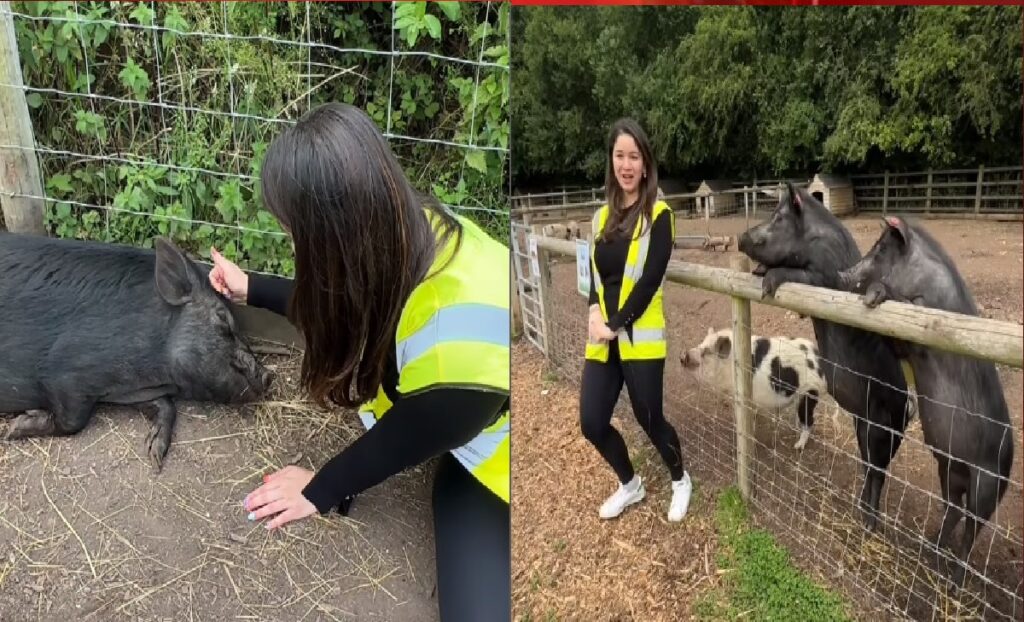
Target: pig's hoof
[[869, 518], [770, 283], [802, 441], [157, 444], [958, 574], [875, 295]]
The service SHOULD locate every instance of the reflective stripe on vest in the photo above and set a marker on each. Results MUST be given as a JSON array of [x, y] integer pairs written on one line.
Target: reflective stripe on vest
[[460, 322], [648, 334]]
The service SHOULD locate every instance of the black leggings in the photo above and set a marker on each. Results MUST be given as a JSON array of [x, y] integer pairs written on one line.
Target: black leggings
[[602, 383], [472, 545]]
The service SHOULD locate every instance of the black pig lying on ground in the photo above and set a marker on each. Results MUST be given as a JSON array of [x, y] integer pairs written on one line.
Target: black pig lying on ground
[[84, 323], [803, 242], [964, 416]]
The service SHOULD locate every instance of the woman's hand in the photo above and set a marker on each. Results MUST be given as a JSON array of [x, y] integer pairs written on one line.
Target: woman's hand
[[228, 279], [281, 494], [603, 333], [597, 329]]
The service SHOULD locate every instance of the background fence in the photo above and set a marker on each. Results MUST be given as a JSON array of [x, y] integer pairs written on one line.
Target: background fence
[[152, 118], [995, 191], [808, 498]]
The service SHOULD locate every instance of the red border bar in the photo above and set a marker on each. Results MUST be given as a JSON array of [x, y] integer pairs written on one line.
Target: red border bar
[[763, 2]]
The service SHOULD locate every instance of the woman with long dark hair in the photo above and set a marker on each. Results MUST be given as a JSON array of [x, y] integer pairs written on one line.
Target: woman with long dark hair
[[633, 236], [404, 308]]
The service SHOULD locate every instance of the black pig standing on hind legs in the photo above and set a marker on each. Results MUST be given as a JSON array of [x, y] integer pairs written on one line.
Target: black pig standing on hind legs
[[84, 323], [964, 416], [803, 242]]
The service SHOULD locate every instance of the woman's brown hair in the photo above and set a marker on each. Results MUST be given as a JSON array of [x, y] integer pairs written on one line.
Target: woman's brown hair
[[362, 244], [621, 217]]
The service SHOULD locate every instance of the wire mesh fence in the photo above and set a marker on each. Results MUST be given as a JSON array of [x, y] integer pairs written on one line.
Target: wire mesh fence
[[809, 498], [152, 118]]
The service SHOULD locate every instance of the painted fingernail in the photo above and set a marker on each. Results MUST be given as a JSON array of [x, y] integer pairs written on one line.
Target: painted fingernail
[[252, 515]]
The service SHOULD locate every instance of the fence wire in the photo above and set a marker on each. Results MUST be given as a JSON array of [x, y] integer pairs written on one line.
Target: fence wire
[[148, 161], [809, 498]]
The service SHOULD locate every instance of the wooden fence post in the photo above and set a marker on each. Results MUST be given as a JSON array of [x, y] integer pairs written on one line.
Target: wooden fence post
[[19, 169], [885, 194], [517, 312], [977, 190], [743, 379], [746, 208], [928, 195]]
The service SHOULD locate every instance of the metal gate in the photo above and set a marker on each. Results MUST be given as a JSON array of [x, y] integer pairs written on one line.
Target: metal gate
[[524, 258]]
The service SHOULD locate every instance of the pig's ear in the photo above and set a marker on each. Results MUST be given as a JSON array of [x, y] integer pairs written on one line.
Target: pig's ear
[[172, 273], [723, 347], [899, 227], [711, 331]]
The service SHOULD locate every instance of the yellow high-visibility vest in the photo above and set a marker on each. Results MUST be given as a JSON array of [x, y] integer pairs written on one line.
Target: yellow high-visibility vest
[[648, 341], [454, 332]]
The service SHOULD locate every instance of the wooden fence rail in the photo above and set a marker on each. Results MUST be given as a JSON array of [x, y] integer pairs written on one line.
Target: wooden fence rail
[[1002, 342]]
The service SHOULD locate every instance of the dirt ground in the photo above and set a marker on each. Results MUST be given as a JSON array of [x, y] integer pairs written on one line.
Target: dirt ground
[[87, 532], [638, 568], [567, 564]]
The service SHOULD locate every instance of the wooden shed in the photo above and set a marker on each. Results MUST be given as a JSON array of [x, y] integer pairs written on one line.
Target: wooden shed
[[710, 201], [834, 191]]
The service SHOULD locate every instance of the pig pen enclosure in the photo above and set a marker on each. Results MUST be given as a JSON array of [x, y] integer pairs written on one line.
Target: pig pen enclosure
[[123, 121], [806, 499]]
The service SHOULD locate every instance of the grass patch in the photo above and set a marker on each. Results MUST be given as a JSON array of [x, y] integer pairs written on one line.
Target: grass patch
[[760, 582], [551, 375]]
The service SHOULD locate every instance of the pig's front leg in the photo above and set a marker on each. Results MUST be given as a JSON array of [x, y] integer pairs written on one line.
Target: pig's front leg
[[775, 277], [158, 440], [68, 414], [878, 292]]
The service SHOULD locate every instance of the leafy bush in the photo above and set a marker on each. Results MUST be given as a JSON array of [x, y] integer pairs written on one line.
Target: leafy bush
[[220, 100]]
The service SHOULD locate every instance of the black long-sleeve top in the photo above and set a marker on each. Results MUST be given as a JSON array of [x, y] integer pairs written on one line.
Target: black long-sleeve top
[[417, 427], [610, 257]]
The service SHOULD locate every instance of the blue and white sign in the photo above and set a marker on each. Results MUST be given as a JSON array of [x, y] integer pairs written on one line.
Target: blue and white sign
[[534, 261], [583, 267]]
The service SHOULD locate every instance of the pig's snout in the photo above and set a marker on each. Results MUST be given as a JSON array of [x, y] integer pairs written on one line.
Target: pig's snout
[[256, 377], [750, 241], [689, 360], [745, 242]]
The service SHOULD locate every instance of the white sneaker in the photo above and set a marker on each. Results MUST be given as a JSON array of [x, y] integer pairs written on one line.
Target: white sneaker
[[626, 495], [680, 498]]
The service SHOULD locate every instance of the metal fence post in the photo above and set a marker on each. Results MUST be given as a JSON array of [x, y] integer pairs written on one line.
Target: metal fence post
[[544, 288]]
